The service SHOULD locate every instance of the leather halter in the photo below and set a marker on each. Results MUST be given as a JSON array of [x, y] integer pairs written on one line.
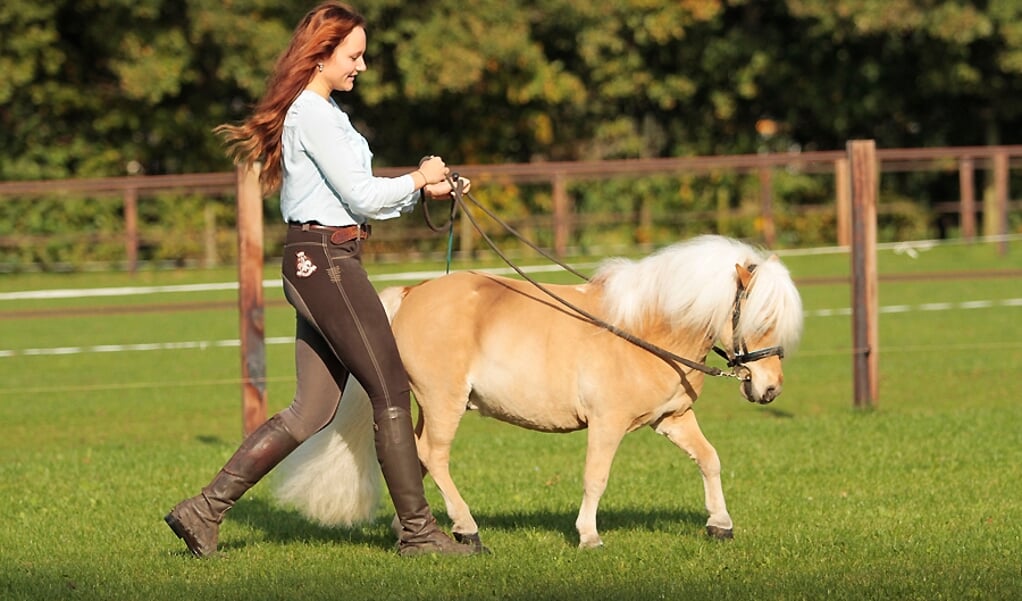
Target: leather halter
[[740, 354]]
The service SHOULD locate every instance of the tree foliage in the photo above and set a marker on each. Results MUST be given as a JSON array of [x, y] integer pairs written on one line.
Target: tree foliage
[[105, 87]]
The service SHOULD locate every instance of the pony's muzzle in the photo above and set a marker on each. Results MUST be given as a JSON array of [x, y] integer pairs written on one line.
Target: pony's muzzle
[[771, 393], [765, 397]]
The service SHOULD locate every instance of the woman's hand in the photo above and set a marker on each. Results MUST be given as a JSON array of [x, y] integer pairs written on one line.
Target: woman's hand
[[444, 191], [433, 170]]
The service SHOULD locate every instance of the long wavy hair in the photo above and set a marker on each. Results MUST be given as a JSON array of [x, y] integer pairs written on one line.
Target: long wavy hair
[[258, 138]]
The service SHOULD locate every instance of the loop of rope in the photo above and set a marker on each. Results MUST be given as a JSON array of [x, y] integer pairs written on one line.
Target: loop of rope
[[449, 225]]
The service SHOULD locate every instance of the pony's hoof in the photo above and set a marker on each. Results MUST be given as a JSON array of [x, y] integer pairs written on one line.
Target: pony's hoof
[[596, 543], [720, 533], [473, 540]]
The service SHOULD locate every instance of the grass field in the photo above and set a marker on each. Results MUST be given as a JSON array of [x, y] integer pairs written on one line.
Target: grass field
[[919, 499]]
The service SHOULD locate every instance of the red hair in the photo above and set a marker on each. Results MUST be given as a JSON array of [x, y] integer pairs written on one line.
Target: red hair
[[258, 138]]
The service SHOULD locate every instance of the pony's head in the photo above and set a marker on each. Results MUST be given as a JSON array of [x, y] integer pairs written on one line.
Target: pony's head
[[698, 287], [766, 322]]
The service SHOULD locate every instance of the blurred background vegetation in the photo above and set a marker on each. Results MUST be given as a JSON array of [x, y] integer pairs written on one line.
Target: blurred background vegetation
[[100, 88]]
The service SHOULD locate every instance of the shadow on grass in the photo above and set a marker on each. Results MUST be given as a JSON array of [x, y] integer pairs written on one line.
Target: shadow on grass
[[284, 525], [778, 413], [563, 522]]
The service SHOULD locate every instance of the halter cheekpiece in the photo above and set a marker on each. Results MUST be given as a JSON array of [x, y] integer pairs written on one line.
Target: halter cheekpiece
[[740, 354]]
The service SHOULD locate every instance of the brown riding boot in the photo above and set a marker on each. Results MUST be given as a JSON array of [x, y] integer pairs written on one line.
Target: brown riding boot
[[197, 520], [395, 447]]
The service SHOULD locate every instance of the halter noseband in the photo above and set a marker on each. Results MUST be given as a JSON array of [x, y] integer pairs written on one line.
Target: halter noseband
[[740, 354]]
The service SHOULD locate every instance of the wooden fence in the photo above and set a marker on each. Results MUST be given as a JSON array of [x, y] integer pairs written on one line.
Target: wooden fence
[[997, 160], [855, 173]]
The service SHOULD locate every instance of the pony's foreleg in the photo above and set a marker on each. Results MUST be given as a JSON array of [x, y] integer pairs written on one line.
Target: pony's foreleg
[[434, 446], [683, 430], [601, 445]]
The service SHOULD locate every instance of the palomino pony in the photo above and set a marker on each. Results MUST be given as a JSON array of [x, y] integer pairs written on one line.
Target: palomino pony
[[528, 357]]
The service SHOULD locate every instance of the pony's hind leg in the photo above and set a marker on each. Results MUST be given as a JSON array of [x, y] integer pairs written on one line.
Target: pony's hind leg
[[439, 422], [683, 430]]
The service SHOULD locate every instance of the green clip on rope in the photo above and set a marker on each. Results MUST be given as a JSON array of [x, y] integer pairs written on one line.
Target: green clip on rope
[[457, 189]]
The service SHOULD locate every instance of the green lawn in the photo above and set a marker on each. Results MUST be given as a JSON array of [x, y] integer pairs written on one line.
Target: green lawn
[[919, 499]]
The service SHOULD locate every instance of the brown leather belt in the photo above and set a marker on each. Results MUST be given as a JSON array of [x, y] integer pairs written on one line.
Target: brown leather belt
[[338, 234]]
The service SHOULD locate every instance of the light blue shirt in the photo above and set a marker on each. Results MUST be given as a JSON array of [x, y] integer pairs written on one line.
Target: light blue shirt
[[328, 175]]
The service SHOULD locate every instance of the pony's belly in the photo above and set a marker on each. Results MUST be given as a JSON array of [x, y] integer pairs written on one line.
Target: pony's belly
[[527, 409]]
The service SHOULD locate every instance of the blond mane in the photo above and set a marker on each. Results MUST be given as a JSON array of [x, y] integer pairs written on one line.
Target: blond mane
[[692, 285]]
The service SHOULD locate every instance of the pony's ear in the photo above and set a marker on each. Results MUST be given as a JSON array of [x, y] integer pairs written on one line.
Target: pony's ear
[[773, 258], [744, 276]]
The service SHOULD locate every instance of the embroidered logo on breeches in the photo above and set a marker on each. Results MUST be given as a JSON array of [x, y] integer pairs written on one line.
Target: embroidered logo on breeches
[[305, 266]]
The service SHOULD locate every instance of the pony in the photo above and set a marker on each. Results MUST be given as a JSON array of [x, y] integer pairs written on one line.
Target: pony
[[625, 349]]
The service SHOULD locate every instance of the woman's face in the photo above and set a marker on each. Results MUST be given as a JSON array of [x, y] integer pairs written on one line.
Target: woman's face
[[347, 61]]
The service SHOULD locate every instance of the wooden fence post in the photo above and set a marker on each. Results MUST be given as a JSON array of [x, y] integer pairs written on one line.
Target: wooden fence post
[[843, 202], [766, 203], [865, 344], [466, 234], [644, 225], [209, 236], [250, 298], [131, 228], [1001, 200], [562, 215], [967, 194]]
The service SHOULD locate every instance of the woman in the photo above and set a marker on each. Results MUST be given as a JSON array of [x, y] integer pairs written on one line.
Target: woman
[[327, 192]]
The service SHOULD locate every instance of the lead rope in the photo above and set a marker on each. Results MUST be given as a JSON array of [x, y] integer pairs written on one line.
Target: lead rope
[[456, 193], [458, 200], [450, 238]]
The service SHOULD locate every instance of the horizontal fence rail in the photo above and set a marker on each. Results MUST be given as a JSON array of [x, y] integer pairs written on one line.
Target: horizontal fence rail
[[999, 161]]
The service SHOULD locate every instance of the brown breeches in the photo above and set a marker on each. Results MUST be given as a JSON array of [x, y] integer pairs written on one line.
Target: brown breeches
[[342, 329]]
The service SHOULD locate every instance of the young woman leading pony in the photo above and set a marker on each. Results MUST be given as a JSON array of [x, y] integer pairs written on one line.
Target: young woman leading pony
[[473, 341]]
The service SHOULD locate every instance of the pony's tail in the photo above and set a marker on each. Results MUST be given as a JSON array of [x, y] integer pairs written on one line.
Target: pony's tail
[[391, 299], [333, 478]]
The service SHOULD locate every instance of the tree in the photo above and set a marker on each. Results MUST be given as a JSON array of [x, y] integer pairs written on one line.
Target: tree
[[106, 87]]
